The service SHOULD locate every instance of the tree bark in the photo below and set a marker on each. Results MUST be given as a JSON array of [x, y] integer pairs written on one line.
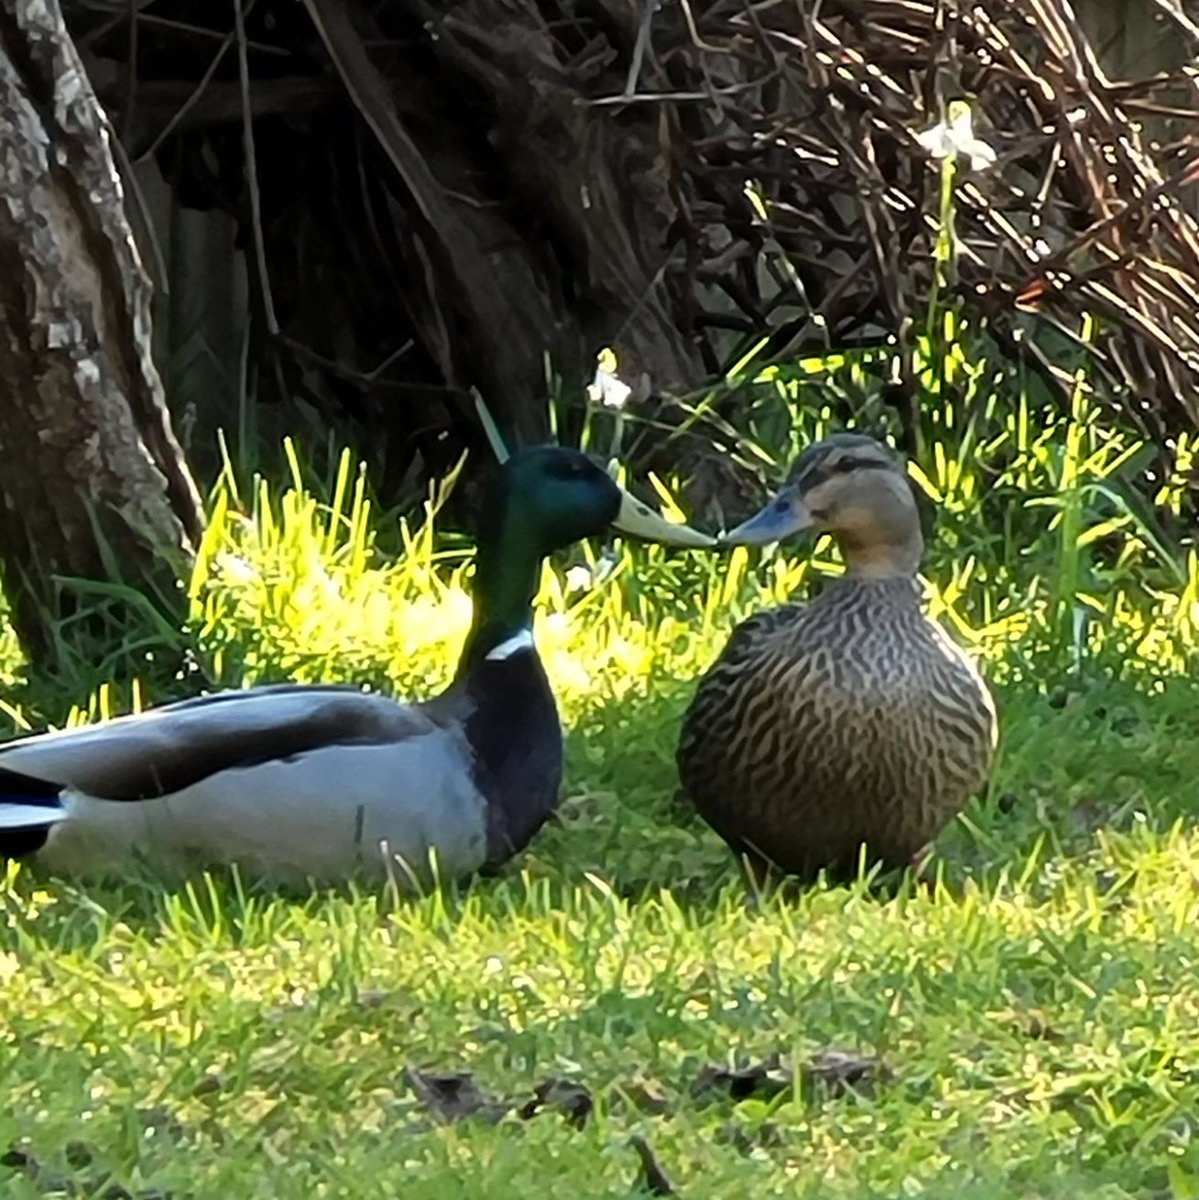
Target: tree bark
[[92, 479]]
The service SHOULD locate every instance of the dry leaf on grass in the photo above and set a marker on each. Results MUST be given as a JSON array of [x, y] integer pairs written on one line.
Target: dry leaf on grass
[[571, 1099], [834, 1072], [653, 1179], [453, 1096]]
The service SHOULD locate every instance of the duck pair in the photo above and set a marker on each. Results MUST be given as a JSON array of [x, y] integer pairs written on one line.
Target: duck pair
[[822, 729]]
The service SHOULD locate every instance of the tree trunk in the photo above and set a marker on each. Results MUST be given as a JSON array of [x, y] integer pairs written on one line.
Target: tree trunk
[[92, 481]]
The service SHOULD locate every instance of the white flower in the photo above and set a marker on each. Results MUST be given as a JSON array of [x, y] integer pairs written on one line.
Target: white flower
[[579, 578], [607, 388], [235, 568], [955, 135], [582, 577]]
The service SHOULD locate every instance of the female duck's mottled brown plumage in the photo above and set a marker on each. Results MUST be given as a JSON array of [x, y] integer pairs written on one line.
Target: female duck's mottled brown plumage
[[850, 722]]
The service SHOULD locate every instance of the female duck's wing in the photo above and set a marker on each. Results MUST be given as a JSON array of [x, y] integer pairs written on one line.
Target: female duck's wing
[[164, 750], [753, 632], [710, 723]]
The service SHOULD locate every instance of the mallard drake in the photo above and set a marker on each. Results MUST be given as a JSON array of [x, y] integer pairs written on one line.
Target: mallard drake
[[327, 783], [849, 724]]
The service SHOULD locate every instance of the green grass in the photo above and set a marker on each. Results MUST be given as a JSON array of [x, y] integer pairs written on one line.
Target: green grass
[[1036, 1013]]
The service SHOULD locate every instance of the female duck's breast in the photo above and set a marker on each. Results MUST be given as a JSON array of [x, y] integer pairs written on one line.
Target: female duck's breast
[[365, 811], [843, 727]]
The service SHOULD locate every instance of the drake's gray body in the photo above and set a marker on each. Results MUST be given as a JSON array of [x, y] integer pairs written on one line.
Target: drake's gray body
[[295, 782]]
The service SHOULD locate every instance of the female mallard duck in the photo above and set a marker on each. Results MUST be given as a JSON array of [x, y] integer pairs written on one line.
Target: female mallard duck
[[850, 724], [327, 783]]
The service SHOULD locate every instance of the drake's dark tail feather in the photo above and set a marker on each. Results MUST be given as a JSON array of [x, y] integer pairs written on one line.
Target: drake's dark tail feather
[[21, 843], [29, 808]]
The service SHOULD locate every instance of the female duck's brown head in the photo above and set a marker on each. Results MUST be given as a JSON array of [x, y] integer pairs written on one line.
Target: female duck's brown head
[[855, 488]]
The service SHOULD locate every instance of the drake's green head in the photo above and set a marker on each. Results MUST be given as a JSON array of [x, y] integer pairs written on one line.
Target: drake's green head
[[550, 497], [542, 500]]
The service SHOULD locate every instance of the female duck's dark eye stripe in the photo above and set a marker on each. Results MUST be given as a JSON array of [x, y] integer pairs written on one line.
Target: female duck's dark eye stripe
[[844, 465], [808, 470]]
